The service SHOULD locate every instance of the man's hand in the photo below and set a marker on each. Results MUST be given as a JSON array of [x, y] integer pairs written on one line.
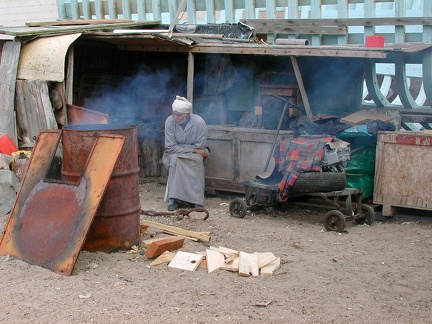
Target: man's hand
[[203, 153]]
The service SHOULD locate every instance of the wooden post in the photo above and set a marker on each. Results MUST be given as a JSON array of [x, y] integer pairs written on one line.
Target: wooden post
[[8, 71], [190, 77], [301, 86]]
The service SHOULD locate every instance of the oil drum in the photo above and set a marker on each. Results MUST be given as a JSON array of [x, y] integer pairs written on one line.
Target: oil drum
[[117, 220]]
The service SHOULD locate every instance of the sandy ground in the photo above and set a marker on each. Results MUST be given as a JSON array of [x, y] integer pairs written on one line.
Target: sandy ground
[[368, 274]]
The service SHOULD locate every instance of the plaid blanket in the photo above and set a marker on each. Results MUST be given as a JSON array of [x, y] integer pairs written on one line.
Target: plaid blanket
[[302, 154]]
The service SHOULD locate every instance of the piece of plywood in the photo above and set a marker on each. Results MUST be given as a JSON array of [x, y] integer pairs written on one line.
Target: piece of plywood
[[271, 267], [167, 244], [265, 258], [248, 264], [165, 257], [215, 260], [186, 261], [363, 116], [231, 266]]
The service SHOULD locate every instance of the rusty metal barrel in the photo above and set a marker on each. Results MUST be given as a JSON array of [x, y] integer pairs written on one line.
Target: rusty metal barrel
[[116, 225]]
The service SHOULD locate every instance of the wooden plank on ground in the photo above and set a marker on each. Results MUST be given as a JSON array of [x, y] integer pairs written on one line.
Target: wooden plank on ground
[[229, 251], [271, 267], [8, 72], [165, 257], [167, 244], [186, 261], [231, 266], [202, 236], [155, 239], [248, 264], [215, 260], [265, 258]]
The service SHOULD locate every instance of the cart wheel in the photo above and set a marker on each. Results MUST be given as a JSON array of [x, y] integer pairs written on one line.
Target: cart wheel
[[369, 215], [238, 208], [334, 221]]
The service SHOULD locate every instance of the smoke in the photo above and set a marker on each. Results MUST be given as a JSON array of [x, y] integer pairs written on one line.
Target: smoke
[[139, 99]]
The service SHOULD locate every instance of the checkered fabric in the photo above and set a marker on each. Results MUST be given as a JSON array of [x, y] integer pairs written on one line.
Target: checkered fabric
[[301, 154]]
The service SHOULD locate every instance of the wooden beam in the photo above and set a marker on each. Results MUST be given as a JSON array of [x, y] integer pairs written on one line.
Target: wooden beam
[[190, 76], [202, 236], [301, 87], [280, 24], [156, 248], [283, 50]]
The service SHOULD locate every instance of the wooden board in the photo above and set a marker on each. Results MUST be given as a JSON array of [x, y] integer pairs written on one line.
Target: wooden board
[[362, 116], [203, 236], [215, 260], [165, 257], [265, 258], [271, 267], [231, 266], [248, 264], [34, 111], [167, 244], [8, 72], [186, 261], [155, 239]]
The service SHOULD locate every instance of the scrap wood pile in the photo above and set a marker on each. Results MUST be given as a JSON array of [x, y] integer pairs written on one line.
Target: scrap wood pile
[[162, 250]]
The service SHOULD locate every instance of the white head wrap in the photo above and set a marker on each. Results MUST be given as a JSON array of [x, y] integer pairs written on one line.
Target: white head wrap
[[182, 105]]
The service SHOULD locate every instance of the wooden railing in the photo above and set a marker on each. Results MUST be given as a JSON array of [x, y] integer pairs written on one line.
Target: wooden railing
[[353, 19]]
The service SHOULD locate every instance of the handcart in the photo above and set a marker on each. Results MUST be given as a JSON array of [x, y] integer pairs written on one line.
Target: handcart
[[260, 194]]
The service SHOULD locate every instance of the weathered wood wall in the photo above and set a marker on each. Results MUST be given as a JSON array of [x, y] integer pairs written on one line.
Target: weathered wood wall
[[238, 154], [9, 58]]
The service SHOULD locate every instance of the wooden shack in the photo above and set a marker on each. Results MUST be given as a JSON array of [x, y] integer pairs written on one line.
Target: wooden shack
[[131, 71]]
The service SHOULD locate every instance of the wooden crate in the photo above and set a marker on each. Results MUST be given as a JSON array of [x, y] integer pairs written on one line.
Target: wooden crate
[[403, 171], [238, 154]]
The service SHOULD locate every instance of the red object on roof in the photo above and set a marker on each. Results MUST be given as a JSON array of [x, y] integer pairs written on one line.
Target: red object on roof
[[374, 41]]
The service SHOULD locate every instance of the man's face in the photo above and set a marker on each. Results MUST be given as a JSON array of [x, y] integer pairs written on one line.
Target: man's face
[[178, 117]]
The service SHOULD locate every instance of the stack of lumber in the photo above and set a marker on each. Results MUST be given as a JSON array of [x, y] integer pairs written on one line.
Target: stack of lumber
[[213, 259], [222, 258]]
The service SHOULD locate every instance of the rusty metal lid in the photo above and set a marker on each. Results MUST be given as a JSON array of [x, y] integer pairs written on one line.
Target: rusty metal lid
[[49, 221]]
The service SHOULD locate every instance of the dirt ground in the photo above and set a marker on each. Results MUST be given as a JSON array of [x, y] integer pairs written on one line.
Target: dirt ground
[[368, 274]]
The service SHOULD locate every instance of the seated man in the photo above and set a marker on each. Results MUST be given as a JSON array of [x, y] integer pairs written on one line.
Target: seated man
[[185, 152]]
